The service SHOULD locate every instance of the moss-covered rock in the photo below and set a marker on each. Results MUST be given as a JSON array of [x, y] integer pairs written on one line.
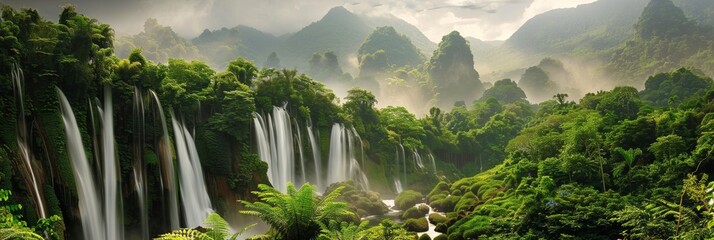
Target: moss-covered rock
[[415, 212], [436, 218], [466, 202], [363, 203], [441, 189], [441, 237], [424, 237], [446, 205], [407, 199], [442, 228], [416, 225]]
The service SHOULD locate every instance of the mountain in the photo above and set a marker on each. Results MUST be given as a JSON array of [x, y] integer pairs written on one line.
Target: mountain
[[339, 31], [398, 49], [451, 70], [225, 44], [413, 33], [665, 39], [158, 44]]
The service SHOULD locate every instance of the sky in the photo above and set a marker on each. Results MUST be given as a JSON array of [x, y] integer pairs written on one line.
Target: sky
[[482, 19]]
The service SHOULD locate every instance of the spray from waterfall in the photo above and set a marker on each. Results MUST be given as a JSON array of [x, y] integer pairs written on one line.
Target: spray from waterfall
[[316, 158], [18, 82]]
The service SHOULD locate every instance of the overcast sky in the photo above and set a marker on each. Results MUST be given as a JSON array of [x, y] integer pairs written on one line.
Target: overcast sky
[[483, 19]]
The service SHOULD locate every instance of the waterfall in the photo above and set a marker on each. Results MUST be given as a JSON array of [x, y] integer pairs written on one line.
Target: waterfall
[[418, 161], [275, 146], [112, 196], [298, 141], [398, 185], [167, 165], [433, 162], [404, 165], [90, 208], [22, 144], [316, 158], [342, 162], [196, 204], [139, 171]]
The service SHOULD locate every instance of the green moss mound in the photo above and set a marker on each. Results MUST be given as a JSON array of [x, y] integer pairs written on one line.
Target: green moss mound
[[436, 218], [416, 225], [407, 199]]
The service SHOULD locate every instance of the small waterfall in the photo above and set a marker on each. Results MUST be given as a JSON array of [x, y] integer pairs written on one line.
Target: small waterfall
[[298, 141], [90, 207], [112, 196], [167, 165], [139, 171], [18, 83], [316, 158], [418, 162], [398, 185], [433, 162], [404, 165], [196, 204]]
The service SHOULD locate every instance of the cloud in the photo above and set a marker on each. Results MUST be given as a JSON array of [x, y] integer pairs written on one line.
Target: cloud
[[483, 19]]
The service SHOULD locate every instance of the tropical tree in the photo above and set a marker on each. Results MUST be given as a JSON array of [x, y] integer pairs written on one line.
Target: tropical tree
[[297, 214]]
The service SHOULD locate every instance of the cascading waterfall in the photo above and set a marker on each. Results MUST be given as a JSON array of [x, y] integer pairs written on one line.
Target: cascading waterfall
[[22, 145], [138, 169], [342, 163], [167, 165], [275, 138], [112, 196], [275, 146], [397, 180], [316, 158], [90, 207], [196, 204]]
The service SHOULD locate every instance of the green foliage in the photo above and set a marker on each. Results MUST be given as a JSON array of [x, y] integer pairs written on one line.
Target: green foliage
[[505, 91], [298, 213], [343, 231], [407, 199], [216, 228], [537, 84], [387, 230], [361, 202], [666, 89]]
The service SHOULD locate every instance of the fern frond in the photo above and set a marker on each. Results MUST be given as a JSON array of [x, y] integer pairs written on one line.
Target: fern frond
[[184, 234], [19, 233]]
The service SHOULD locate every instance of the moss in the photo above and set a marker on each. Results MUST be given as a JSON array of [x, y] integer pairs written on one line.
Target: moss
[[446, 205], [424, 237], [414, 212], [441, 237], [441, 188], [442, 227], [407, 199], [466, 202], [364, 203], [436, 218], [416, 225], [470, 227], [437, 197]]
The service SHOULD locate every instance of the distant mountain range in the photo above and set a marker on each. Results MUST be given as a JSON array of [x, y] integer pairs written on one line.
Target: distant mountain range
[[592, 33]]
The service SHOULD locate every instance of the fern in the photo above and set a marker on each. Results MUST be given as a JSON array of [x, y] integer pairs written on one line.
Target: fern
[[185, 234], [19, 233]]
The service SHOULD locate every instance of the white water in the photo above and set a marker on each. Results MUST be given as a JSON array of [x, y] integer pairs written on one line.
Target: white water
[[433, 162], [139, 172], [275, 146], [417, 159], [111, 190], [316, 159], [167, 164], [196, 204], [90, 208], [342, 162], [22, 146], [302, 155]]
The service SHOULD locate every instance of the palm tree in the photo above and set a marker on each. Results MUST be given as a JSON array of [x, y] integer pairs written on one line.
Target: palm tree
[[298, 213]]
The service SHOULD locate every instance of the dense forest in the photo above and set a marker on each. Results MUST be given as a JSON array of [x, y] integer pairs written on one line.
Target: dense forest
[[154, 136]]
